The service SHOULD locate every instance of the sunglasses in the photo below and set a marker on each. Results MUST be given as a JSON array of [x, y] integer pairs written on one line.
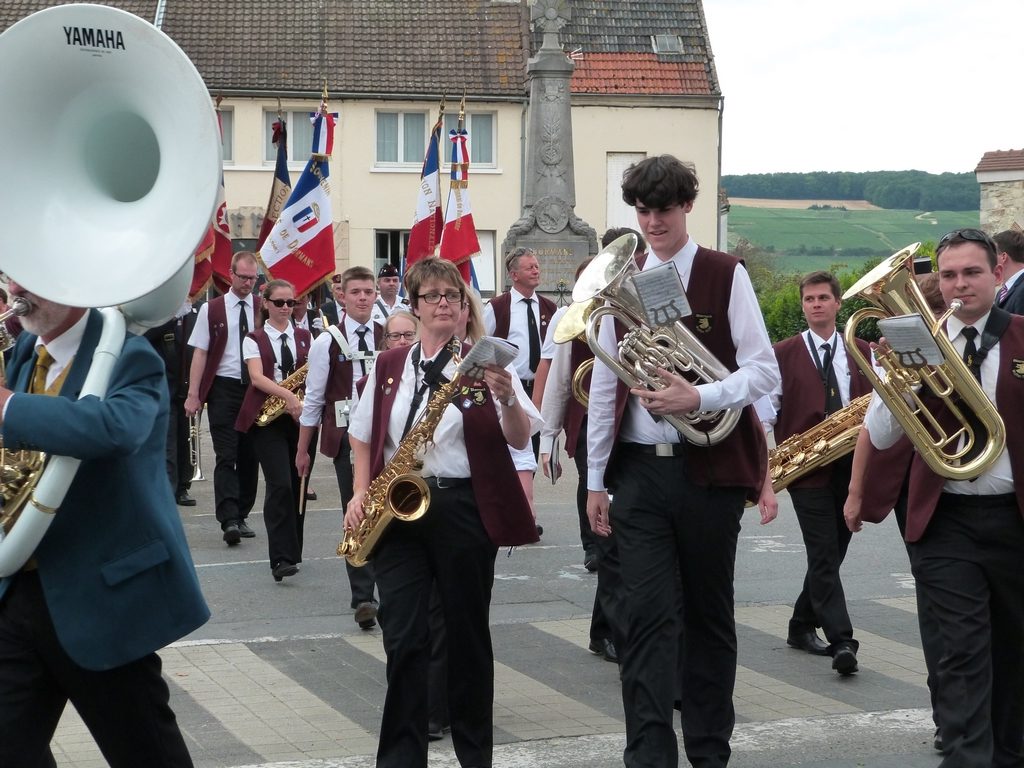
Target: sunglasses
[[973, 235], [283, 302]]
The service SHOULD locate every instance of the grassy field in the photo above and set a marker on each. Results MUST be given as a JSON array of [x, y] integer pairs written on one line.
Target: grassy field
[[804, 240]]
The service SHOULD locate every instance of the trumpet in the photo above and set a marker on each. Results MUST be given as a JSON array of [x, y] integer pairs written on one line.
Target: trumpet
[[195, 452], [18, 307]]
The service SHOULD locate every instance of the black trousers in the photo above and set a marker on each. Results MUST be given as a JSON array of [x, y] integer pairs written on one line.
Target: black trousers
[[360, 580], [676, 538], [276, 445], [822, 601], [447, 546], [126, 708], [179, 459], [437, 673], [968, 563], [588, 538], [236, 473]]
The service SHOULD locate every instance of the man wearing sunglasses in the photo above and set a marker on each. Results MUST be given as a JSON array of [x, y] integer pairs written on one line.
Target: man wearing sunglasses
[[338, 358], [218, 377], [966, 537]]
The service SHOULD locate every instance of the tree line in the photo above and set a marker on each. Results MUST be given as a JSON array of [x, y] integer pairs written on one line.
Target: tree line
[[900, 190]]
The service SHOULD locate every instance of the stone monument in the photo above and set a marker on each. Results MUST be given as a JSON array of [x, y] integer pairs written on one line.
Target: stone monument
[[549, 225]]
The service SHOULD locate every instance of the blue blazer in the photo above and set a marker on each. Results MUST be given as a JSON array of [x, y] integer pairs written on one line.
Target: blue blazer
[[114, 564]]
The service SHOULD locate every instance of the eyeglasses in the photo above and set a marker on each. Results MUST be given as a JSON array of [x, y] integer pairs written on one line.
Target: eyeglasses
[[283, 302], [246, 278], [395, 335], [452, 297], [973, 235]]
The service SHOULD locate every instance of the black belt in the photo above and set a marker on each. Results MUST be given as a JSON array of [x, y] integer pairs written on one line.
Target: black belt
[[992, 500], [447, 482], [664, 450], [230, 380]]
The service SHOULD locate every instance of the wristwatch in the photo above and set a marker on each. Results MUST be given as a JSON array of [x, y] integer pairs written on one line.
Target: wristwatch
[[511, 400]]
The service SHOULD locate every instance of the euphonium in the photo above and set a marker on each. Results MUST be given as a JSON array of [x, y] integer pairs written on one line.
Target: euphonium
[[274, 406], [398, 492], [644, 349], [891, 288]]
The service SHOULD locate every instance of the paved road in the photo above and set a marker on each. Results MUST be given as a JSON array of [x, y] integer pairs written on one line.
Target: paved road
[[281, 676]]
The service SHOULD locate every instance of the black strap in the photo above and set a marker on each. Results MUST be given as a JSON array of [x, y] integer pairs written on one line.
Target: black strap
[[243, 331], [433, 379], [827, 373]]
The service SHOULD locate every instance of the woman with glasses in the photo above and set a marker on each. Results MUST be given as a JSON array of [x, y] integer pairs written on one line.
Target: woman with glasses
[[476, 505], [400, 330], [271, 354]]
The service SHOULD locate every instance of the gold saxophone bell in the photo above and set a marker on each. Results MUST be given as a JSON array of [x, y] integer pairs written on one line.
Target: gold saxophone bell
[[891, 289]]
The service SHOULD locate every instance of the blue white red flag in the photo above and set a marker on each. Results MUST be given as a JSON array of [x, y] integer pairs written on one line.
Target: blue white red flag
[[282, 186], [323, 131], [300, 247], [428, 220], [459, 243]]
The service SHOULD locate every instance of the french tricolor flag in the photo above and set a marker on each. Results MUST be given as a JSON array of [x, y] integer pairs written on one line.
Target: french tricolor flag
[[282, 186], [323, 131], [300, 248], [428, 220], [459, 243]]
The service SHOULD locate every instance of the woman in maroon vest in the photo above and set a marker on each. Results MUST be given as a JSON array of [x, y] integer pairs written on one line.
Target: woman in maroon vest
[[271, 354], [476, 505]]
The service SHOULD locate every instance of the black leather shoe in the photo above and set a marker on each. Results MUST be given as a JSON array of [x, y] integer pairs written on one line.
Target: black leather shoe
[[540, 531], [245, 531], [231, 534], [435, 731], [610, 654], [284, 569], [845, 660], [366, 615], [310, 495], [937, 741], [590, 561], [184, 500], [605, 648], [808, 641]]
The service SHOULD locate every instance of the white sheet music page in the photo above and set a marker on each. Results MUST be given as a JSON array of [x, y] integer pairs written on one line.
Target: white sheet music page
[[911, 339], [490, 350]]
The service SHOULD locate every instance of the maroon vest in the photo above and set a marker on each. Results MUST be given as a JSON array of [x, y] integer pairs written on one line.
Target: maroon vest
[[254, 398], [501, 305], [575, 413], [883, 479], [741, 459], [504, 510], [803, 393], [925, 485], [339, 387], [217, 319]]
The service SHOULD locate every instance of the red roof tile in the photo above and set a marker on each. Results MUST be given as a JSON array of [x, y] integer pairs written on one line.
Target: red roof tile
[[1002, 160], [639, 73]]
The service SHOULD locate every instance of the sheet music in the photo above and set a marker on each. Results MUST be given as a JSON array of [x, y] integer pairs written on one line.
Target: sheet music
[[489, 350], [911, 339]]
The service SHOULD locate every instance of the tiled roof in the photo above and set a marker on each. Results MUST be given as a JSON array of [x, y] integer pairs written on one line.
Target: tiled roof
[[617, 56], [423, 47], [638, 73], [1002, 160]]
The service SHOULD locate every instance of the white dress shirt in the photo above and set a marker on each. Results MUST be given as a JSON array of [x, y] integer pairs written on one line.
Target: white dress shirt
[[62, 349], [230, 363], [446, 455], [884, 430], [768, 408], [756, 375], [251, 350], [381, 310], [548, 346], [557, 391], [518, 331]]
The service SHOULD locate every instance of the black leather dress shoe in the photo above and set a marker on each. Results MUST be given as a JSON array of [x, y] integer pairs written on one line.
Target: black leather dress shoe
[[937, 741], [283, 569], [808, 641], [366, 615], [245, 531], [605, 648], [231, 534], [436, 731], [184, 500], [310, 495], [844, 661], [590, 561]]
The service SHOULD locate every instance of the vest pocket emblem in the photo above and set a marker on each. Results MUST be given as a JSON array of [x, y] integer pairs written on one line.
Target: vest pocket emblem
[[703, 323], [1017, 368], [474, 396]]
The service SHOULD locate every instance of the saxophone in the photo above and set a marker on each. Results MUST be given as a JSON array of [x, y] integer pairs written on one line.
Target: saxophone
[[398, 493], [273, 406], [822, 444]]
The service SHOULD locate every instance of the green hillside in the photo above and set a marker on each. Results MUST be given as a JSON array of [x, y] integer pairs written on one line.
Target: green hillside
[[802, 240]]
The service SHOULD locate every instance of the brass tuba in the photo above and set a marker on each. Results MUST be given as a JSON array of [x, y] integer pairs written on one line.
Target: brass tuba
[[644, 349], [124, 120], [891, 288]]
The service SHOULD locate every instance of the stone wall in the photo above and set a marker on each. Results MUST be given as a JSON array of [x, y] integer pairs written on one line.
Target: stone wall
[[1002, 204]]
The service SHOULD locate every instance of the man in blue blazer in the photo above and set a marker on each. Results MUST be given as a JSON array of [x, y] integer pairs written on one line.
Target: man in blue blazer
[[112, 580], [1010, 244]]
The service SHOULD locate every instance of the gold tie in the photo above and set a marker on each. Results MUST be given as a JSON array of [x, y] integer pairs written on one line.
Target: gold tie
[[43, 362]]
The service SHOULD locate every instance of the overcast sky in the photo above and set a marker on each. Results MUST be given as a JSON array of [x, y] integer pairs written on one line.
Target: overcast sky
[[864, 85]]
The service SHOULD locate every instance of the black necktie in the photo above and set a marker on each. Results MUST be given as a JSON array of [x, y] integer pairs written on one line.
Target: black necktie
[[363, 346], [531, 326], [973, 361], [243, 331], [833, 400], [287, 361]]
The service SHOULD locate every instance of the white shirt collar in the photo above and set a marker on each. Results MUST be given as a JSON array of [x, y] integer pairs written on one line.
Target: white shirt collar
[[682, 257], [275, 334], [955, 326], [818, 340], [64, 347], [519, 296], [235, 298], [1012, 279]]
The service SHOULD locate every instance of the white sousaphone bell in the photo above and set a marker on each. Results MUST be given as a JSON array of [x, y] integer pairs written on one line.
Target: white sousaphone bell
[[110, 179]]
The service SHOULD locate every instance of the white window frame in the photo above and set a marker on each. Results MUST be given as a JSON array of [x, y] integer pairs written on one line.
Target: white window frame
[[451, 120], [227, 124], [293, 118], [414, 154]]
